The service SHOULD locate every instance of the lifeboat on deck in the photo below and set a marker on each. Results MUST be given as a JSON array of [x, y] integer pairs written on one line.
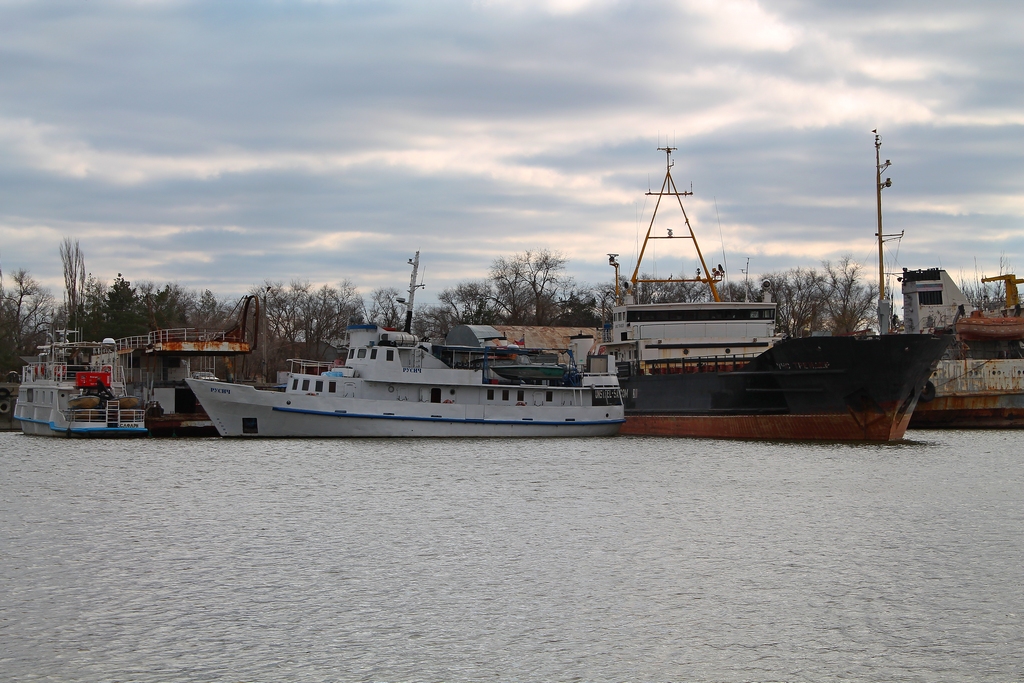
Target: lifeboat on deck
[[977, 327]]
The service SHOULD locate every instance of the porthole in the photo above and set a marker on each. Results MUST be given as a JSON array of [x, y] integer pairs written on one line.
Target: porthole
[[391, 388]]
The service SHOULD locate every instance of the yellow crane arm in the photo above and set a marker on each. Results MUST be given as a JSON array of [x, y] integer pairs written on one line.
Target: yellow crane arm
[[1010, 281]]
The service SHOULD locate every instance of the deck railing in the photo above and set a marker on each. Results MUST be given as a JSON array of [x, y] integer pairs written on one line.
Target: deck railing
[[178, 334], [60, 372], [105, 415], [684, 366]]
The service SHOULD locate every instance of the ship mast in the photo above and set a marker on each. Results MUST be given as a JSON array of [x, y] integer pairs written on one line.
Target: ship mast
[[668, 189], [884, 308], [415, 263]]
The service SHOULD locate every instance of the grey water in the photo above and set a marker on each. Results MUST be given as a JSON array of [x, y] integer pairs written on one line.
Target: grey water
[[641, 559]]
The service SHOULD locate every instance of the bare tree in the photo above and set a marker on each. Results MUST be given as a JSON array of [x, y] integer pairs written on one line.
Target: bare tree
[[206, 310], [510, 296], [799, 294], [26, 311], [848, 303], [526, 286], [467, 303], [385, 310], [731, 290], [669, 292], [576, 305], [304, 322], [73, 262]]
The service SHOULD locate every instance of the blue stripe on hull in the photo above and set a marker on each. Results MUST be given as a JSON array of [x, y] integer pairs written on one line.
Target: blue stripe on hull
[[98, 431]]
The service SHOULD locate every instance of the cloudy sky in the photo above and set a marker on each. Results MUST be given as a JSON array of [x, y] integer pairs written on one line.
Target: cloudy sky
[[217, 144]]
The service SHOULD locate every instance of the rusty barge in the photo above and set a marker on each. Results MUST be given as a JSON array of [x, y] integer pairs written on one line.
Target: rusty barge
[[979, 383], [717, 368], [157, 365]]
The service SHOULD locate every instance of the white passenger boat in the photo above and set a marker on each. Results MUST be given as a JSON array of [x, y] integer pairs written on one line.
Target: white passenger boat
[[77, 389], [393, 385]]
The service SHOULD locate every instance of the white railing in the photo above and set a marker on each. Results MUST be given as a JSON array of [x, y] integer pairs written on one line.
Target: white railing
[[178, 334], [301, 366], [105, 416], [60, 372]]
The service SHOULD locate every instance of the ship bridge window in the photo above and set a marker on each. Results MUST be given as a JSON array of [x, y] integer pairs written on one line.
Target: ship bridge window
[[361, 354], [295, 384], [654, 316], [929, 298], [351, 353], [305, 385], [373, 354], [332, 387], [319, 386], [391, 354]]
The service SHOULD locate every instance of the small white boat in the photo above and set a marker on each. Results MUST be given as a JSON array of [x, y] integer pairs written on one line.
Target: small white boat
[[77, 389], [394, 385]]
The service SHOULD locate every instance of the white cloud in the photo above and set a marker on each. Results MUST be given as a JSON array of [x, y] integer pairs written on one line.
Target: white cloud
[[741, 25], [553, 7], [303, 127]]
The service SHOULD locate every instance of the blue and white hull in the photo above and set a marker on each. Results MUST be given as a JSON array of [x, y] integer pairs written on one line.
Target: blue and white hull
[[392, 385], [240, 410]]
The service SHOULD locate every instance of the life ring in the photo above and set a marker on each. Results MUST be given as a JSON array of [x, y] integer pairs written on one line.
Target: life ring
[[520, 403], [4, 392], [60, 371], [5, 407], [107, 369], [447, 400], [927, 393]]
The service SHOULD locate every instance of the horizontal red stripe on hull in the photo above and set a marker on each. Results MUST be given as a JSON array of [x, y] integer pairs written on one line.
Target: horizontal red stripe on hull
[[825, 427]]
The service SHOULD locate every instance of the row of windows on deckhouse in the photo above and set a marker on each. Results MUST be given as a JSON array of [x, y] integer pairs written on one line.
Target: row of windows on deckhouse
[[675, 315], [361, 353], [435, 392]]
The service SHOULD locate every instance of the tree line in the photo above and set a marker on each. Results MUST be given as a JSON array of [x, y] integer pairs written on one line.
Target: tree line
[[307, 321]]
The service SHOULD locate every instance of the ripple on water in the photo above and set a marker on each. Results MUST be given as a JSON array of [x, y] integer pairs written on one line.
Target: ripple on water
[[601, 559]]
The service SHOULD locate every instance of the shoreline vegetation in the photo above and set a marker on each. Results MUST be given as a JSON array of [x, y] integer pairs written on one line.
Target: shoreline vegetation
[[304, 320]]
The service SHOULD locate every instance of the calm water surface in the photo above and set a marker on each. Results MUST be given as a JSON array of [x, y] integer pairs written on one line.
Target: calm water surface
[[597, 560]]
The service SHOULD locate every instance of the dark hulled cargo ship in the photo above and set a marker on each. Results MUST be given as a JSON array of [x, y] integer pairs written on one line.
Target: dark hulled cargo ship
[[717, 368], [861, 388]]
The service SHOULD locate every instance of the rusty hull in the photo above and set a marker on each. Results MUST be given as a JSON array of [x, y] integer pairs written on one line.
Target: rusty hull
[[199, 348], [181, 424], [806, 389], [974, 394], [970, 412], [862, 426]]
